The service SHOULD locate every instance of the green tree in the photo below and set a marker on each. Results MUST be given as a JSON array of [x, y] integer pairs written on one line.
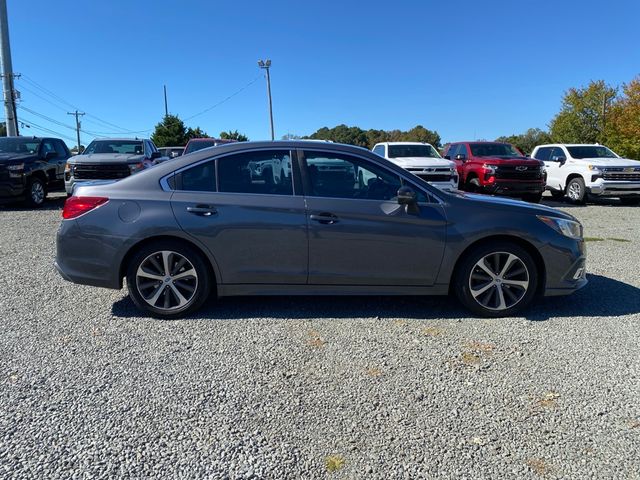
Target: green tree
[[581, 119], [196, 133], [235, 135], [170, 132], [623, 125], [368, 138], [528, 140]]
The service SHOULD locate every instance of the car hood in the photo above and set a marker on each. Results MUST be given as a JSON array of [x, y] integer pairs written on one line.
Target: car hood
[[506, 203], [612, 162], [107, 158], [15, 157], [405, 162]]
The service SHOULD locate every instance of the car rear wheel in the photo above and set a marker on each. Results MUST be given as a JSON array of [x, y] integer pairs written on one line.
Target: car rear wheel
[[496, 280], [576, 191], [36, 192], [169, 279]]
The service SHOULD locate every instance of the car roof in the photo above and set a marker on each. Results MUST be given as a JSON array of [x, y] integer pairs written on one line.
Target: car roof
[[404, 143], [572, 145], [123, 139]]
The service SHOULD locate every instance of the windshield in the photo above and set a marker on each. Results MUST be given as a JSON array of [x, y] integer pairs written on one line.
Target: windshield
[[503, 150], [396, 151], [130, 147], [19, 145], [200, 144], [591, 151]]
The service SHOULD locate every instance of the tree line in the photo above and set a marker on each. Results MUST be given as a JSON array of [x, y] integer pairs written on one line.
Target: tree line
[[172, 132]]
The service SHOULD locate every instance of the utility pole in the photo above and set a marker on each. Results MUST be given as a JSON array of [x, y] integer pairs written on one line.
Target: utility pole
[[77, 114], [266, 64], [166, 108], [7, 73]]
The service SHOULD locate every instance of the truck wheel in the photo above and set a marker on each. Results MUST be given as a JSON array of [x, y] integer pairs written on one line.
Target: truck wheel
[[532, 197], [473, 185], [496, 280], [168, 279], [36, 192], [576, 191]]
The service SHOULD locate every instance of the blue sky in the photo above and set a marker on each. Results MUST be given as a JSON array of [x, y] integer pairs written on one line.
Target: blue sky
[[468, 69]]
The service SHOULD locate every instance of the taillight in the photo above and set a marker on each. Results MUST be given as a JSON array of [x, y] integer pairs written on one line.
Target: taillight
[[76, 206]]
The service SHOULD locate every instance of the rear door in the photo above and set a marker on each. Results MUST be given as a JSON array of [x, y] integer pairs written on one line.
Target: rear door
[[253, 223], [358, 233]]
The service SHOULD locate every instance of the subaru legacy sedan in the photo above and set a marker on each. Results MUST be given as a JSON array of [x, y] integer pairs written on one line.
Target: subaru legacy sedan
[[219, 222]]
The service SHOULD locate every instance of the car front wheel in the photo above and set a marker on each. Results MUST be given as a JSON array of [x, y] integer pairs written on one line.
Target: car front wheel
[[36, 192], [168, 279], [576, 191], [496, 280]]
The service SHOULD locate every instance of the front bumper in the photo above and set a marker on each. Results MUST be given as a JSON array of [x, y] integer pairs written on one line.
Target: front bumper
[[565, 263], [451, 185], [12, 187], [514, 188], [604, 188]]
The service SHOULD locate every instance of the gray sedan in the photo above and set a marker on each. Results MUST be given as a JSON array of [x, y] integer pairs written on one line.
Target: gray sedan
[[213, 222]]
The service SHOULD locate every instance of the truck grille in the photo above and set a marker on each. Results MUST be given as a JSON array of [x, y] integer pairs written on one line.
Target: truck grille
[[432, 174], [101, 172], [512, 173], [621, 176]]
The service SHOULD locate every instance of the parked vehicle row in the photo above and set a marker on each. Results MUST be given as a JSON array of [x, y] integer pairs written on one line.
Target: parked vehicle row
[[29, 167], [209, 223]]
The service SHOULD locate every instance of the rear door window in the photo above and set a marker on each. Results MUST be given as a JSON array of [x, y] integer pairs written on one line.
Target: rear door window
[[266, 172]]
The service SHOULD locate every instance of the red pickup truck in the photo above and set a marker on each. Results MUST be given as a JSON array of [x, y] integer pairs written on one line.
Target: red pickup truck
[[497, 168]]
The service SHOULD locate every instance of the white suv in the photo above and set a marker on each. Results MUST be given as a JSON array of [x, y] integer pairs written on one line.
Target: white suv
[[422, 160], [582, 170]]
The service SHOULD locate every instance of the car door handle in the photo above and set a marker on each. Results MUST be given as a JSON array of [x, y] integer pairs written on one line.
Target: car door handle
[[324, 218], [203, 210]]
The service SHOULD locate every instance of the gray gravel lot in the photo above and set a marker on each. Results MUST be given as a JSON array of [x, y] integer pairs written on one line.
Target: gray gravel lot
[[318, 387]]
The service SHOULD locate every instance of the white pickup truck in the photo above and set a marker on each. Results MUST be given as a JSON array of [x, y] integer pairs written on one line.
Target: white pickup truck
[[422, 160], [581, 170]]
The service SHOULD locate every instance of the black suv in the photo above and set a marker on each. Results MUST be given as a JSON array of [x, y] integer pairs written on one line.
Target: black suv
[[30, 167]]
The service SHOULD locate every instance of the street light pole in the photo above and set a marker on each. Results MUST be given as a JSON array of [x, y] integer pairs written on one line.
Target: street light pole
[[265, 65]]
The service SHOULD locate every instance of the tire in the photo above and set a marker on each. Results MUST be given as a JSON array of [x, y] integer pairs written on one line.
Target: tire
[[532, 197], [36, 192], [576, 191], [557, 195], [495, 295], [473, 185], [164, 296], [630, 200]]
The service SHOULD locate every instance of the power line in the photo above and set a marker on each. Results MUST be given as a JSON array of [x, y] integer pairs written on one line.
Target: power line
[[223, 101], [28, 123]]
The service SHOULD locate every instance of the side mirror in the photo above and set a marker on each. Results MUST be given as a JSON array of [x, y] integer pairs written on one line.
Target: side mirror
[[155, 155], [50, 155], [406, 196], [462, 157]]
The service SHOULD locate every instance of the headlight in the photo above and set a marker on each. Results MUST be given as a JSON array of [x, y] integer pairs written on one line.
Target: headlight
[[68, 168], [136, 167], [594, 167], [16, 167], [490, 168], [568, 228]]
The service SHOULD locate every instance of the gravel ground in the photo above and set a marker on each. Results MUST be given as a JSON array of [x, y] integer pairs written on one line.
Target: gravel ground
[[318, 387]]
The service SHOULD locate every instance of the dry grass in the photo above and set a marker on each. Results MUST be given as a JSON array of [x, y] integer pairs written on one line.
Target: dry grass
[[400, 323], [334, 463], [432, 331], [548, 400], [469, 358], [482, 348], [315, 340], [374, 372], [538, 466]]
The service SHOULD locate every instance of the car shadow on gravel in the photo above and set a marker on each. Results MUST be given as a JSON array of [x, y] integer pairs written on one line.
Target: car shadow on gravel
[[601, 297], [51, 203], [599, 202]]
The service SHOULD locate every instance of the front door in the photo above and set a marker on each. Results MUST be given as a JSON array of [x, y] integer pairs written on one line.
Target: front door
[[252, 223], [556, 178], [359, 234]]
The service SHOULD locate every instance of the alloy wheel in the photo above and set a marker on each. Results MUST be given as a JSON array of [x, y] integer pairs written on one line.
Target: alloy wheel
[[166, 280], [37, 192], [575, 191], [499, 280]]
